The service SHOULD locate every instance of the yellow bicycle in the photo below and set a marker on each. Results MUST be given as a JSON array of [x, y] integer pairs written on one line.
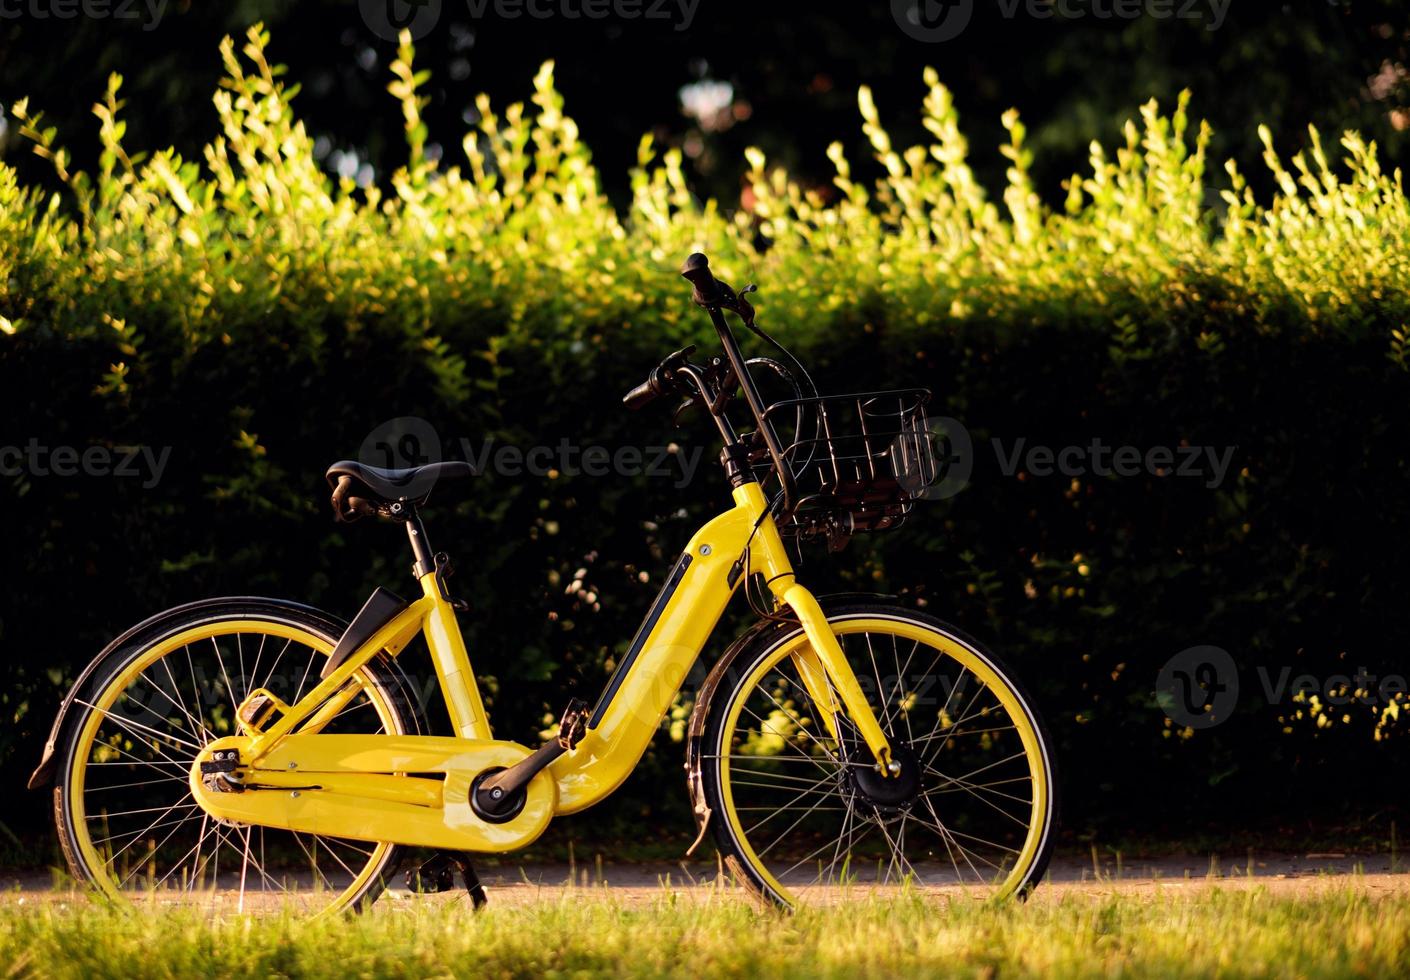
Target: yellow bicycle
[[244, 750]]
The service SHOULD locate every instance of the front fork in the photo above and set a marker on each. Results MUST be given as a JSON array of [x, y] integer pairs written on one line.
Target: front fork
[[825, 670]]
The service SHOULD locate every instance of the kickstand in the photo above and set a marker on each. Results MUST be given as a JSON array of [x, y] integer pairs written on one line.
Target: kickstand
[[472, 882]]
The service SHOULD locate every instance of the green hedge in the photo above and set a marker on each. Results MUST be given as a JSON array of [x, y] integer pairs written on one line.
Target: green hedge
[[259, 318]]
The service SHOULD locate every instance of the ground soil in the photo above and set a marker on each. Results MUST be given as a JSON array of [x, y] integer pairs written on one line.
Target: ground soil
[[635, 884]]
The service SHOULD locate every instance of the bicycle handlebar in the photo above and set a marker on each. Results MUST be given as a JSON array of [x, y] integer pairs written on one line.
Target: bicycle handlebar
[[660, 382], [716, 296], [707, 288], [642, 395]]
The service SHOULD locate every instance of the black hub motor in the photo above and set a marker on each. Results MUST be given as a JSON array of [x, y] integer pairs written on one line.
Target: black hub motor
[[892, 793]]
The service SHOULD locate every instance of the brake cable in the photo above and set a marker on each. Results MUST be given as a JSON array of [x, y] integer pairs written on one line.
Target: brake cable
[[763, 335]]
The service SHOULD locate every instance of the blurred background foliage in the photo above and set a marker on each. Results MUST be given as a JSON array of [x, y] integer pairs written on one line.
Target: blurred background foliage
[[259, 285]]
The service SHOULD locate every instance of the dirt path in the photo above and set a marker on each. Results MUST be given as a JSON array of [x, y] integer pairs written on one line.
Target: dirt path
[[525, 884], [1281, 874]]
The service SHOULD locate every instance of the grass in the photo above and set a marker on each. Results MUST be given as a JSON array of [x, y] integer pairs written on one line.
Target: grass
[[1343, 930]]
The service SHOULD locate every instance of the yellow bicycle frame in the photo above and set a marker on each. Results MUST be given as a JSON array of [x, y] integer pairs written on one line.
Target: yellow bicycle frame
[[415, 789]]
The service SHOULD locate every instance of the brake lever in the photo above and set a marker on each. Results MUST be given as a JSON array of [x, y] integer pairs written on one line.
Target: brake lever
[[725, 384], [679, 357], [681, 409], [743, 307]]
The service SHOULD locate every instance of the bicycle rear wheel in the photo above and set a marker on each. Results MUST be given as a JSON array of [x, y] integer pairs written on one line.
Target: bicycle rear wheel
[[125, 814], [803, 816]]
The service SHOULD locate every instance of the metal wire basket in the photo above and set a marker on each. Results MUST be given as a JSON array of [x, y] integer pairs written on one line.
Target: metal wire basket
[[858, 462]]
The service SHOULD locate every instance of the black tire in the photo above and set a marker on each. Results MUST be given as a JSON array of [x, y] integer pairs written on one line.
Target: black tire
[[394, 693], [733, 673]]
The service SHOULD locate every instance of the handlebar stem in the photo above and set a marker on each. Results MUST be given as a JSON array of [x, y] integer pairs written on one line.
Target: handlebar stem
[[756, 403], [702, 387]]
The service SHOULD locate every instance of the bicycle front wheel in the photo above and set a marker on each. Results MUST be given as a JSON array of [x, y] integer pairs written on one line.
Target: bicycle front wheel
[[803, 815], [123, 805]]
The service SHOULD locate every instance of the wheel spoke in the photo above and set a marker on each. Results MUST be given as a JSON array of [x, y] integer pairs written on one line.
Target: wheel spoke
[[876, 675], [791, 784], [156, 824], [812, 854], [847, 823], [184, 766], [138, 728], [229, 688], [898, 851], [900, 691], [962, 785], [963, 717], [949, 835], [801, 817], [254, 671], [134, 872], [299, 693], [784, 808], [200, 730], [973, 731], [798, 722], [846, 814], [135, 809], [196, 685], [974, 772], [269, 677]]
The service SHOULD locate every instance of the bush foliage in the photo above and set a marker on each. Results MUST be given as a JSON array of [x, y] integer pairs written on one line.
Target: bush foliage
[[258, 317]]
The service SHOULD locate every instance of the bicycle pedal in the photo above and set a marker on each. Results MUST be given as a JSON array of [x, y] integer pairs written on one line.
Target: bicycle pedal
[[258, 710], [431, 877], [573, 725]]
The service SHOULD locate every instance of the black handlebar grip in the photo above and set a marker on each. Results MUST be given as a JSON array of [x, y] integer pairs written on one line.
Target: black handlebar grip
[[697, 270], [642, 395]]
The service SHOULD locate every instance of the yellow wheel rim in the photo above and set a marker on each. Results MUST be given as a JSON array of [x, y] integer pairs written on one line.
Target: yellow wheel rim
[[100, 710], [967, 658]]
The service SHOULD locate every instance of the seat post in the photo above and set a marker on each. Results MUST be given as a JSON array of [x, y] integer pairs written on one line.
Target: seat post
[[420, 544]]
